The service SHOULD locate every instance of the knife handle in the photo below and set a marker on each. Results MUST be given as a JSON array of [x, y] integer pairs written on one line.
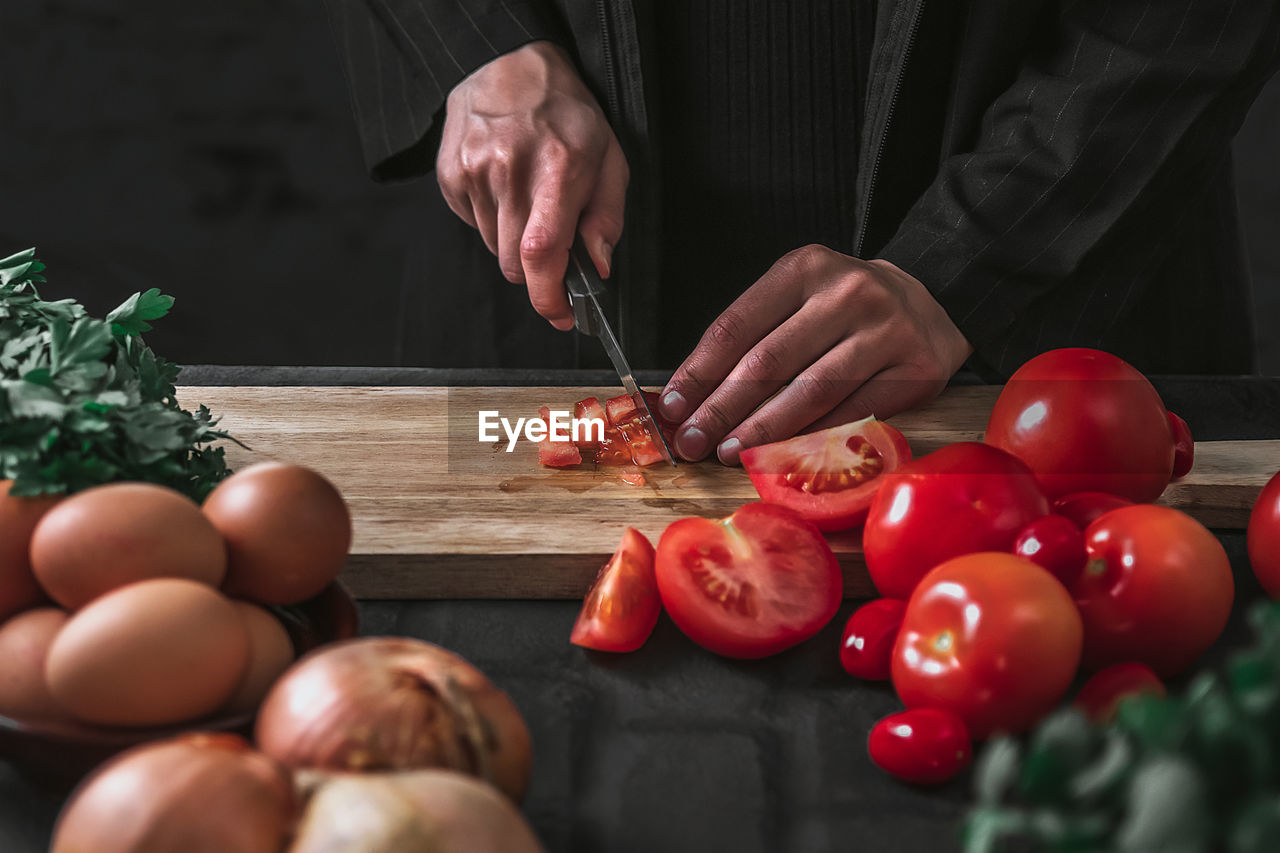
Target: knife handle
[[581, 280]]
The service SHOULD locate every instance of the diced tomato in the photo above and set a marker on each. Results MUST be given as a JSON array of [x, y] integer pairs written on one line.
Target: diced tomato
[[556, 454], [589, 409], [622, 607], [620, 408], [829, 477], [749, 585]]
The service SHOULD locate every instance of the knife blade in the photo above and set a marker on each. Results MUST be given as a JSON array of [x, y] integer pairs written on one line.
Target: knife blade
[[585, 290]]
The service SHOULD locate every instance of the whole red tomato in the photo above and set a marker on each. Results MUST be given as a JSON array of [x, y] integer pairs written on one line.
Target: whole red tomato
[[991, 637], [1083, 508], [866, 649], [1054, 543], [1156, 589], [1085, 420], [924, 746], [962, 498], [1263, 538], [1102, 694]]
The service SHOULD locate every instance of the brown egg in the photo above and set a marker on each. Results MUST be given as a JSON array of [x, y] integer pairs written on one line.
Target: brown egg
[[270, 653], [24, 645], [18, 518], [150, 653], [287, 531], [108, 536]]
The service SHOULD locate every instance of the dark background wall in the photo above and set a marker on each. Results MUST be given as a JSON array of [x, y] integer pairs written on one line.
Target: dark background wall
[[208, 149]]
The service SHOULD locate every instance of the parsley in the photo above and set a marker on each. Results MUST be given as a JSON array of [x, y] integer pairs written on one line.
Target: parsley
[[84, 401]]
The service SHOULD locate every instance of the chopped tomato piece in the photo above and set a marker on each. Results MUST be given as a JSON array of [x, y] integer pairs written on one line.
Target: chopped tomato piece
[[829, 477], [622, 607], [590, 409], [620, 408], [556, 454]]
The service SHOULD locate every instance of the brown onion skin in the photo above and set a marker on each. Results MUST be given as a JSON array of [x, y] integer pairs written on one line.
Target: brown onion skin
[[24, 647], [287, 531], [421, 811], [200, 793], [393, 703]]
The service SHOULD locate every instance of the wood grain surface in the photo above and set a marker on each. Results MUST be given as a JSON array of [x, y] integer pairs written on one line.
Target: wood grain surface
[[440, 515]]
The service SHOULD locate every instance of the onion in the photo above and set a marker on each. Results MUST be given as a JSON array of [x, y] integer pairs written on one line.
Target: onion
[[191, 794], [391, 703], [424, 811]]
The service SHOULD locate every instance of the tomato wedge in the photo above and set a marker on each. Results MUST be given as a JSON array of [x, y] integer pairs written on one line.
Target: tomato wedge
[[556, 454], [622, 607], [750, 585], [828, 477]]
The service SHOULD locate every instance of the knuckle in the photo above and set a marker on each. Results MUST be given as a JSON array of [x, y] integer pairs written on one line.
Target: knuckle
[[807, 260], [763, 363], [758, 432], [715, 416], [822, 386], [538, 244], [726, 330]]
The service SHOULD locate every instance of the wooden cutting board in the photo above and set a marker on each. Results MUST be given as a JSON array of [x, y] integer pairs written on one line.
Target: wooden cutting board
[[438, 514]]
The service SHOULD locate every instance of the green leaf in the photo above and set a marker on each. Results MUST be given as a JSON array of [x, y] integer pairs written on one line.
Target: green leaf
[[996, 770], [133, 315], [1167, 809]]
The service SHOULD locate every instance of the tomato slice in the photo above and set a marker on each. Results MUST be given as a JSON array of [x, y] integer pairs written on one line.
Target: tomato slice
[[828, 477], [622, 607], [750, 585], [556, 454]]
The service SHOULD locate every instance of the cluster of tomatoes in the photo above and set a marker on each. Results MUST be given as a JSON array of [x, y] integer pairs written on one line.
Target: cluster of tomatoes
[[1006, 566]]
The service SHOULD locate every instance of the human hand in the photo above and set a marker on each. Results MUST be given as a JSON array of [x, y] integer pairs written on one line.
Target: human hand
[[527, 157], [837, 338]]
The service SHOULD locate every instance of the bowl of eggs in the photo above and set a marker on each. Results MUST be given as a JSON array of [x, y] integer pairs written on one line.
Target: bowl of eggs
[[129, 613]]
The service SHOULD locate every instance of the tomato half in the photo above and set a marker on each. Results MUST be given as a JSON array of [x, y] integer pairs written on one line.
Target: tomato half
[[749, 585], [1084, 508], [962, 498], [924, 746], [1085, 420], [622, 608], [866, 648], [1054, 543], [1157, 589], [829, 477], [1101, 695], [991, 637], [1263, 537]]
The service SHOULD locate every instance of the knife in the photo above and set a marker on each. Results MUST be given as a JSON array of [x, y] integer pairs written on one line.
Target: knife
[[585, 291]]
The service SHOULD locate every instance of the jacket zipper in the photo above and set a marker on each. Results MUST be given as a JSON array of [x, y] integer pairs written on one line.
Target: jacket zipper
[[606, 49], [888, 121]]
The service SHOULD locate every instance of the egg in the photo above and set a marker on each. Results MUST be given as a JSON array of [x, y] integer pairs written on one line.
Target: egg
[[270, 653], [287, 531], [24, 644], [150, 653], [108, 536], [18, 518]]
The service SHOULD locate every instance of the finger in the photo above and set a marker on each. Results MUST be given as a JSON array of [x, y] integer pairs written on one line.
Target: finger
[[485, 214], [765, 305], [819, 389], [797, 343], [602, 218], [894, 389], [512, 215], [544, 249]]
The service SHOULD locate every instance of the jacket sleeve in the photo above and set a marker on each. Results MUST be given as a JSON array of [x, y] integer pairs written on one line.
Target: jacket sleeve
[[403, 57], [1122, 114]]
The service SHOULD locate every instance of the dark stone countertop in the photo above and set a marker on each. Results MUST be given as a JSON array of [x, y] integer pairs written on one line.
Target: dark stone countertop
[[672, 748]]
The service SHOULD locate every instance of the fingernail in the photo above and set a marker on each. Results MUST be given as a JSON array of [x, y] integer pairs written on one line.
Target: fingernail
[[606, 254], [564, 325], [673, 405], [728, 451], [692, 444]]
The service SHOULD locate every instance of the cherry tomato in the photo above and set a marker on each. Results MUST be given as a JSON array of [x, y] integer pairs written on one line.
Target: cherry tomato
[[866, 649], [749, 585], [1184, 448], [1085, 420], [1157, 589], [990, 636], [1083, 508], [830, 476], [1263, 537], [1102, 694], [1054, 543], [924, 746], [963, 498], [622, 607]]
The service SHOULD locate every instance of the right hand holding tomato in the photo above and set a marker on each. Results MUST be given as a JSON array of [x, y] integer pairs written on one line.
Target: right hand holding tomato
[[528, 158]]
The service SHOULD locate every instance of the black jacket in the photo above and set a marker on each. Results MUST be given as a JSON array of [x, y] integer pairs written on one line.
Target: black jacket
[[1056, 173]]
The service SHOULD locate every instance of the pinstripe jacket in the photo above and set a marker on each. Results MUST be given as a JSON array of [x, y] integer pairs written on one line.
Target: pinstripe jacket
[[1057, 173]]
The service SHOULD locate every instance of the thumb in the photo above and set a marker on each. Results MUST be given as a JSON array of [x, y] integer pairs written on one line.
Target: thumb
[[601, 221]]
